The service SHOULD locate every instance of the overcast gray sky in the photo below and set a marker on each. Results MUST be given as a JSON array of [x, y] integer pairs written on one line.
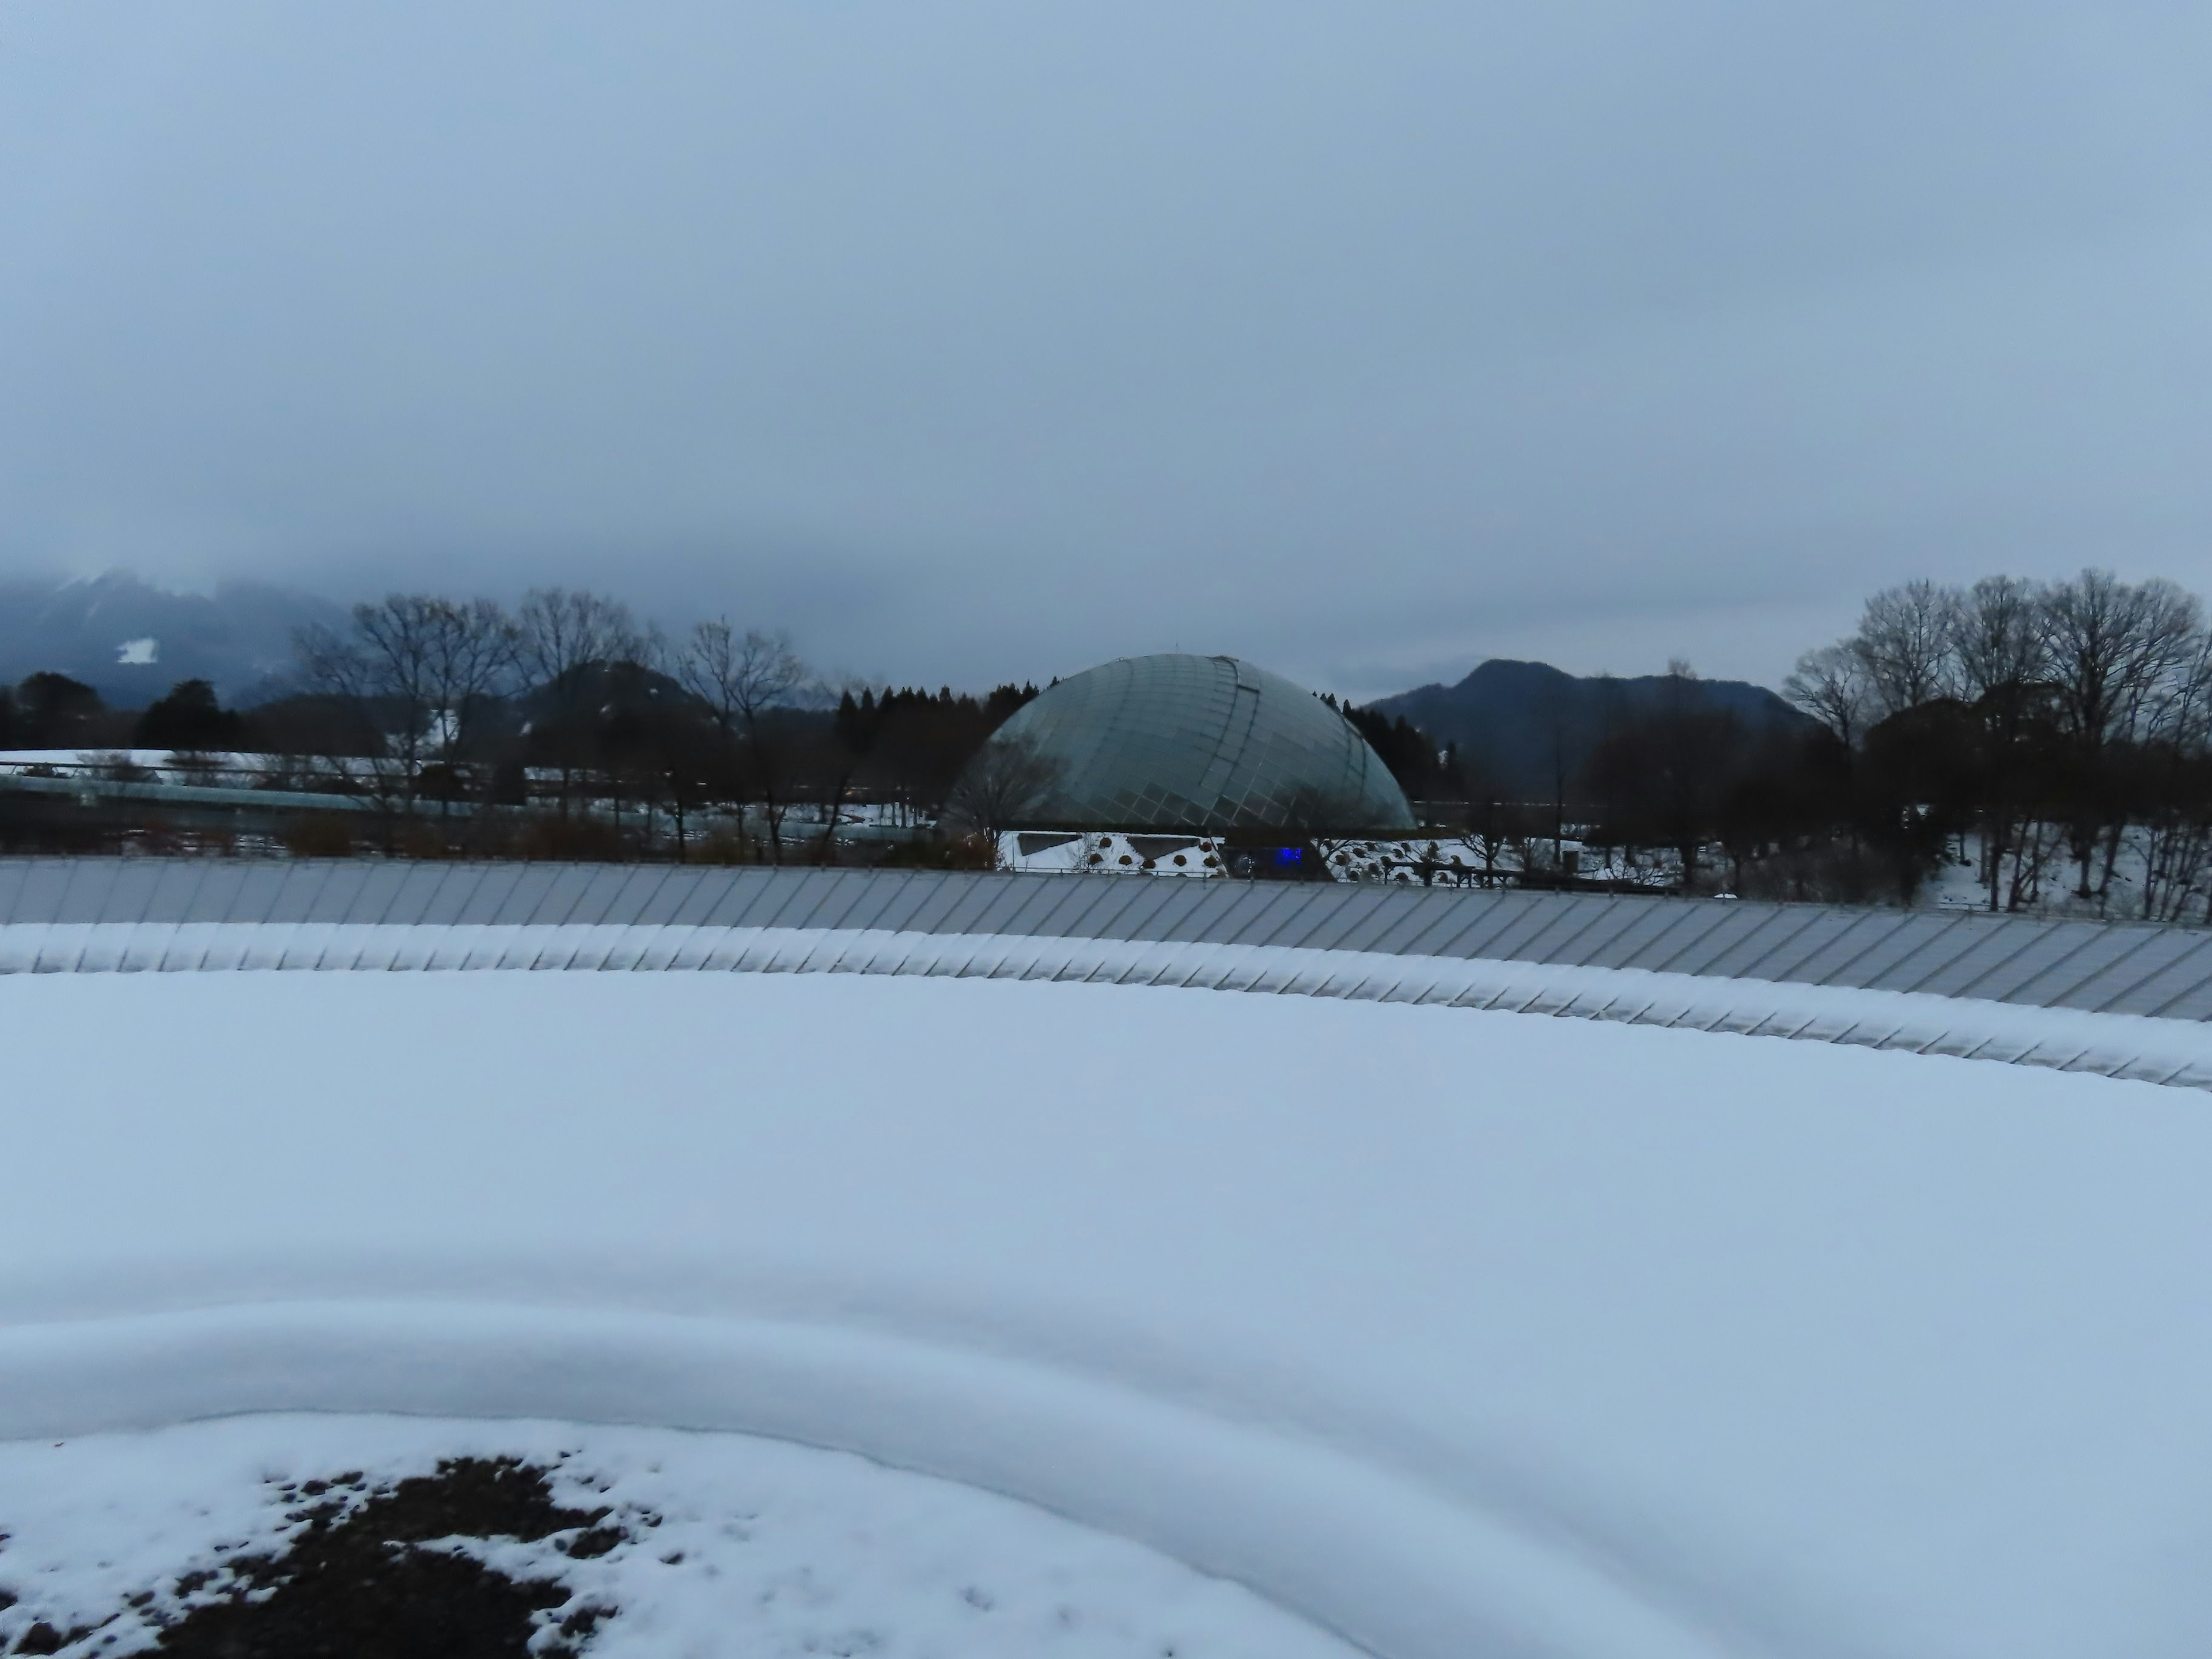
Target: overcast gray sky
[[971, 341]]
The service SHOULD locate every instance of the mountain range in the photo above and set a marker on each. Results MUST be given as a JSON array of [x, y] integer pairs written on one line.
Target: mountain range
[[130, 640], [1529, 727]]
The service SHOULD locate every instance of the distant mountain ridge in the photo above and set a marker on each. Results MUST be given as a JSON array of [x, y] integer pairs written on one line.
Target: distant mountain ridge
[[1525, 724], [131, 641]]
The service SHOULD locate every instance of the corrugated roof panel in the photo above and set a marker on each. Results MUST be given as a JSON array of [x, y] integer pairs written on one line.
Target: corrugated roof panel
[[1884, 957], [1392, 915], [1335, 913], [1684, 939], [1635, 927], [898, 895], [937, 894], [337, 885], [1063, 903], [2121, 967], [2008, 958], [769, 893], [691, 891], [1036, 900], [1420, 918], [1202, 909], [1474, 919], [1792, 959], [1773, 927], [1105, 911], [490, 893], [294, 896], [222, 894], [826, 896], [1435, 920], [2167, 964], [2188, 997], [1564, 920], [1151, 909], [1939, 955], [1695, 954], [614, 893], [1264, 912], [655, 906], [998, 907], [85, 897], [569, 885], [1964, 956], [1835, 958], [963, 896], [1068, 903], [129, 890], [1495, 914], [448, 895], [14, 878], [178, 893], [1595, 924], [2074, 982], [721, 898]]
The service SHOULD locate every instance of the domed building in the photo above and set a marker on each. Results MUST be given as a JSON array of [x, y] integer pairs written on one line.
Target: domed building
[[1180, 742]]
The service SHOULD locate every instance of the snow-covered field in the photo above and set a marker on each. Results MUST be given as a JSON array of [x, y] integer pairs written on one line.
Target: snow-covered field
[[1451, 1333]]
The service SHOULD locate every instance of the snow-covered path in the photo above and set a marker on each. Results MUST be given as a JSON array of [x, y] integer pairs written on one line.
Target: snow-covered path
[[1455, 1332]]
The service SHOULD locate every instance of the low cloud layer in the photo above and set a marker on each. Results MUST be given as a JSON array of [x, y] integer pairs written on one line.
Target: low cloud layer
[[984, 341]]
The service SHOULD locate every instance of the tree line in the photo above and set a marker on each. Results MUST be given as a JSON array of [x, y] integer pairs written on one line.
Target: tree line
[[447, 715], [2056, 737], [2063, 730]]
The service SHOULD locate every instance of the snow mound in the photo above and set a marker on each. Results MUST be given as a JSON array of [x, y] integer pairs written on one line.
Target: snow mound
[[729, 1544]]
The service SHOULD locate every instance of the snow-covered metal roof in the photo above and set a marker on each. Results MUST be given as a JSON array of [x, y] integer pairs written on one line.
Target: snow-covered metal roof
[[2109, 967]]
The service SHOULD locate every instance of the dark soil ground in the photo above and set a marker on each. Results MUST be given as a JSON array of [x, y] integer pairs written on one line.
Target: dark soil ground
[[357, 1581]]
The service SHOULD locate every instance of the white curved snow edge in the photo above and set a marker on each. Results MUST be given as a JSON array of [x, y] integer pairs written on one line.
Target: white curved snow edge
[[1403, 1570], [2132, 1046]]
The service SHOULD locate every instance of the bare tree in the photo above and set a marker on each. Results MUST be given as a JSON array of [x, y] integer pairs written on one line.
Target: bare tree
[[419, 668], [743, 679], [1831, 684], [1903, 638], [1010, 782], [386, 670], [2001, 650], [2112, 645], [2178, 804], [563, 636], [471, 658]]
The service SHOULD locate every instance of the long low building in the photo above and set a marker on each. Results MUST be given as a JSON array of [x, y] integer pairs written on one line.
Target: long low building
[[2127, 968]]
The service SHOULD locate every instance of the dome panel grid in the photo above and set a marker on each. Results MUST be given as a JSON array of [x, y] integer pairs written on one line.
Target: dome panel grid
[[1200, 744]]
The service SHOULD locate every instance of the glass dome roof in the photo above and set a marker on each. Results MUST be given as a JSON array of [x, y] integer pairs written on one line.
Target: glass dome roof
[[1191, 743]]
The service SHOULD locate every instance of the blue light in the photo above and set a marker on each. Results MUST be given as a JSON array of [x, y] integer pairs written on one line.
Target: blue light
[[1289, 854]]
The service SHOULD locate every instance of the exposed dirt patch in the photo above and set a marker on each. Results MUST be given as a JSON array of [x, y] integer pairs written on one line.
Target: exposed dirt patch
[[376, 1575]]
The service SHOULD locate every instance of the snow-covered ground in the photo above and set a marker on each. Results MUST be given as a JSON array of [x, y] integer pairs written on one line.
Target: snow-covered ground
[[737, 1546], [1452, 1333]]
